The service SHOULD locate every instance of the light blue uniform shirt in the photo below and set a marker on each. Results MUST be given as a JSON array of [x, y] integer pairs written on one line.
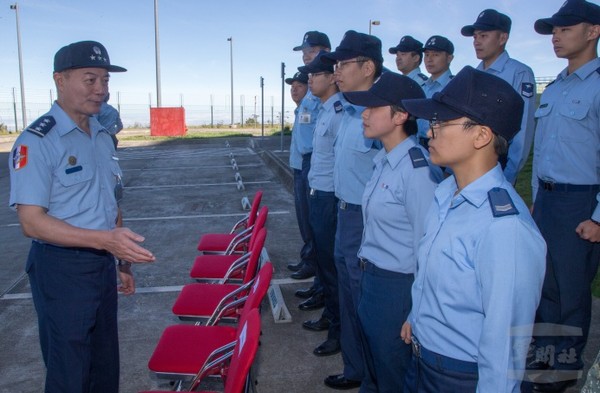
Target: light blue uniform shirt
[[479, 280], [109, 118], [394, 205], [353, 156], [302, 131], [68, 172], [417, 76], [567, 140], [430, 87], [320, 175], [522, 80]]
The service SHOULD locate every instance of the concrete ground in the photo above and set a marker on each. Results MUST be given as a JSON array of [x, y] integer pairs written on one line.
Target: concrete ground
[[174, 192]]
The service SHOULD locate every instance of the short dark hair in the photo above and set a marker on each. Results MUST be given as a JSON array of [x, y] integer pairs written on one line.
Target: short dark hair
[[500, 143], [378, 65], [410, 127]]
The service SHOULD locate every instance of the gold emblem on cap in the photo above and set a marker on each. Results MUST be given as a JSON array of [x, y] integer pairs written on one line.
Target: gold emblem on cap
[[72, 160]]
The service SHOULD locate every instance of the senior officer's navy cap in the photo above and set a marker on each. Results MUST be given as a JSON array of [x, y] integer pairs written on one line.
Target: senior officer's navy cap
[[314, 38], [84, 54], [488, 20], [572, 12], [407, 44], [480, 96], [439, 43], [389, 89], [354, 45], [298, 77], [317, 65]]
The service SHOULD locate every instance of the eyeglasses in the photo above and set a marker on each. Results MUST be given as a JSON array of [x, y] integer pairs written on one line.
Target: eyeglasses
[[436, 125], [341, 64], [315, 74]]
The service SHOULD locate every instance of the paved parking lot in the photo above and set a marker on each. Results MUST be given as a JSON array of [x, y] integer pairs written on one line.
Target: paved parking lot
[[174, 192]]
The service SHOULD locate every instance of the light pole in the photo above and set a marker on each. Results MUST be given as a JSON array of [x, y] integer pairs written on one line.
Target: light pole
[[373, 23], [23, 112], [230, 39], [157, 50]]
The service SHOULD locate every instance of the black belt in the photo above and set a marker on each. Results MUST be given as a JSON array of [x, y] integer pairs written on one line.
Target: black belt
[[348, 206], [101, 253], [551, 186], [445, 362], [314, 192]]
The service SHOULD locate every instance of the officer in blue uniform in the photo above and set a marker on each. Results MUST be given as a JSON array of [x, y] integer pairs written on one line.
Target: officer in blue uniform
[[490, 34], [566, 185], [481, 261], [358, 63], [322, 200], [65, 186], [394, 205], [110, 119], [409, 55]]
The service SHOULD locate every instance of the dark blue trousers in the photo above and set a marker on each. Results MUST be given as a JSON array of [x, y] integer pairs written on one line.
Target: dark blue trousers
[[301, 189], [75, 296], [385, 303], [323, 220], [348, 237], [571, 264]]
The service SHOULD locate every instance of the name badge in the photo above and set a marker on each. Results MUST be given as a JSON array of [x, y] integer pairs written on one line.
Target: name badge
[[305, 118]]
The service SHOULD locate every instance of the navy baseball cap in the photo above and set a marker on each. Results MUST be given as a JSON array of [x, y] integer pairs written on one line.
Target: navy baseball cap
[[488, 20], [480, 96], [439, 43], [407, 44], [354, 45], [389, 89], [317, 65], [314, 38], [572, 12], [298, 77], [84, 54]]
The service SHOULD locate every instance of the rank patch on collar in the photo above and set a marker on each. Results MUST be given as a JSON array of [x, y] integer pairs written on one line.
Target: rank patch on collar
[[527, 89], [19, 157]]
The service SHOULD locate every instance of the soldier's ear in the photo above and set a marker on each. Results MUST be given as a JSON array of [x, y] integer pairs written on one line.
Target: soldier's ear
[[482, 136]]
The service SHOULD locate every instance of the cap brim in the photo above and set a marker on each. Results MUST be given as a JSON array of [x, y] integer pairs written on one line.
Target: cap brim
[[307, 69], [469, 30], [334, 57], [545, 26], [393, 50], [305, 45], [428, 109], [114, 68], [365, 98]]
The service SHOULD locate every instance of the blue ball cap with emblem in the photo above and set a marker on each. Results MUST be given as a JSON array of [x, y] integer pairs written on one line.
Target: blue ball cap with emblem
[[317, 65], [84, 54], [354, 45], [389, 89], [314, 38], [572, 12], [439, 43], [488, 20], [407, 44], [298, 77], [482, 97]]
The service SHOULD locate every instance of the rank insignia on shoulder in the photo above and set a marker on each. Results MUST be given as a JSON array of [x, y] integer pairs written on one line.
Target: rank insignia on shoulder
[[417, 157], [338, 107], [527, 89], [422, 76], [501, 202], [42, 126]]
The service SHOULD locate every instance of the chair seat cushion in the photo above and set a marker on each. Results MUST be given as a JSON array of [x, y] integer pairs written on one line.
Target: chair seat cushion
[[215, 242], [213, 266], [201, 300]]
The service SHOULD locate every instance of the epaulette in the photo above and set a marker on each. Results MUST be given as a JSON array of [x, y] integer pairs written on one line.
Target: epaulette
[[338, 106], [501, 203], [42, 126], [417, 157], [422, 76], [598, 70], [551, 83]]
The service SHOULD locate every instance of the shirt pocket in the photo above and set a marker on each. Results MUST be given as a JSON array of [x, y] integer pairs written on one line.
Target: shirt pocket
[[75, 175], [543, 110], [574, 113], [361, 144]]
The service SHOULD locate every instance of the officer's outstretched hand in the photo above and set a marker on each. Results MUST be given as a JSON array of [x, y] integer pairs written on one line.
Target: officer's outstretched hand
[[406, 332], [127, 286], [123, 244], [589, 230]]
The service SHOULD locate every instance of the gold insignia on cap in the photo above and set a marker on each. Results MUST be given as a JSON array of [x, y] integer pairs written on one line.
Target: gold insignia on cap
[[72, 160]]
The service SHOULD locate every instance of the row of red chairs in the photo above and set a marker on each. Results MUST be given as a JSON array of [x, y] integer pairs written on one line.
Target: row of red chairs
[[229, 289]]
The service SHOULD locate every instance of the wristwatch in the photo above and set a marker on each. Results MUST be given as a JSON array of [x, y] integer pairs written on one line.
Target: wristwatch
[[121, 262]]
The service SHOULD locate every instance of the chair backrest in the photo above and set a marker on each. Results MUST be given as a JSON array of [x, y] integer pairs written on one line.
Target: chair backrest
[[258, 290], [261, 220], [254, 208], [255, 252], [245, 349]]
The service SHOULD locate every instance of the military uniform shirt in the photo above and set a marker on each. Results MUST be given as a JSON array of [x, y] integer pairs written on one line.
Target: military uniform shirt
[[302, 131], [109, 118], [66, 171], [430, 87], [479, 280], [418, 76], [320, 175], [567, 141], [522, 80], [394, 205], [353, 156]]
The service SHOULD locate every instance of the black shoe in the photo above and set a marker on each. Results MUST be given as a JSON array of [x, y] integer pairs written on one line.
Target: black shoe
[[295, 266], [313, 303], [340, 382], [305, 293], [305, 272], [554, 387], [331, 346], [316, 325]]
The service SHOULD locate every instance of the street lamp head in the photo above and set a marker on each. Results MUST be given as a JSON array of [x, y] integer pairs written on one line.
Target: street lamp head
[[375, 23], [230, 39], [13, 6]]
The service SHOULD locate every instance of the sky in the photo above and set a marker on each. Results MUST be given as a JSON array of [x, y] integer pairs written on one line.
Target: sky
[[195, 53]]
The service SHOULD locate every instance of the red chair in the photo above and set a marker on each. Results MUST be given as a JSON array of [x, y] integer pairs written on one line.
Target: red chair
[[222, 243], [183, 350], [236, 374], [203, 301], [223, 268]]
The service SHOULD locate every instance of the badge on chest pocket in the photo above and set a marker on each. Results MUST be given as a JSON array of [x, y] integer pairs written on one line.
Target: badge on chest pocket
[[305, 118]]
